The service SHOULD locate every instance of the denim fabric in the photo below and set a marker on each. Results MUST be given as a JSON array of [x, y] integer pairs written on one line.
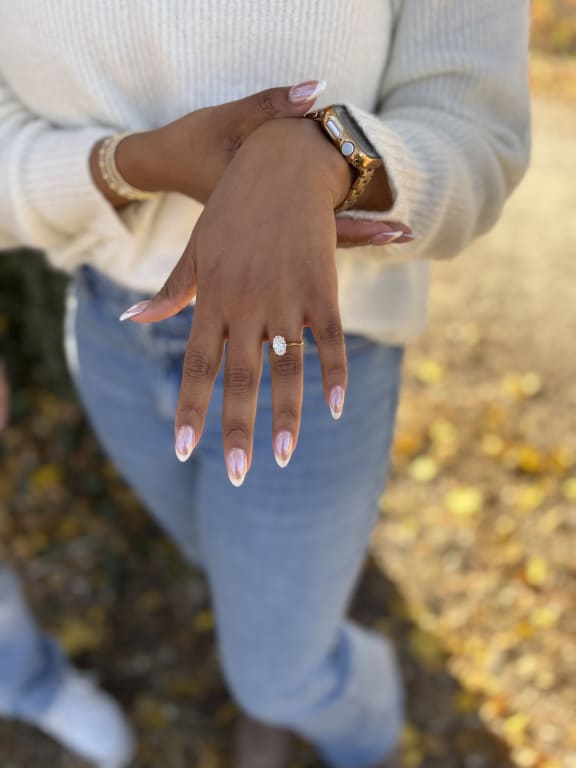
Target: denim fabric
[[31, 664], [282, 553]]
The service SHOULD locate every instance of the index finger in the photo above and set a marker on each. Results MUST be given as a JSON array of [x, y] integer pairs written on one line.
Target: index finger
[[201, 364]]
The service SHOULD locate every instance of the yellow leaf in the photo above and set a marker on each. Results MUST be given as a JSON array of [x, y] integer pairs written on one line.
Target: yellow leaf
[[150, 713], [78, 637], [204, 621], [526, 757], [529, 460], [427, 648], [536, 571], [47, 476], [429, 371], [530, 497], [466, 702], [407, 443], [514, 727], [443, 431], [569, 489], [522, 385], [423, 469], [464, 501], [546, 616]]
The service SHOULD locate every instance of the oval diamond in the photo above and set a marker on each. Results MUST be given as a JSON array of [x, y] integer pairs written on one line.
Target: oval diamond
[[279, 345]]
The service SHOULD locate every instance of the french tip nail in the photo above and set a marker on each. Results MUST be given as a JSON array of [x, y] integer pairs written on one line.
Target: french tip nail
[[135, 310], [237, 465], [386, 237], [336, 402], [304, 92], [283, 447], [185, 442]]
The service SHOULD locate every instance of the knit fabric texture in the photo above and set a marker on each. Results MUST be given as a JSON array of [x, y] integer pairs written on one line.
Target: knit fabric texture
[[440, 87]]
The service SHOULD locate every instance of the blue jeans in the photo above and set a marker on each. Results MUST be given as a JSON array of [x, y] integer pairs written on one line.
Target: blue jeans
[[282, 553]]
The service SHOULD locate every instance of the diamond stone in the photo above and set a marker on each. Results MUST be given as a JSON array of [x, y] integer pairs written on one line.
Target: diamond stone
[[347, 148], [279, 345]]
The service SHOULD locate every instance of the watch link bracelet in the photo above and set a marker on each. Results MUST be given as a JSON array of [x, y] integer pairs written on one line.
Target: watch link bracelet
[[347, 136]]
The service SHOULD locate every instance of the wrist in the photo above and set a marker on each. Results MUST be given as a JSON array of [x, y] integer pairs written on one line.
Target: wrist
[[138, 159], [303, 141]]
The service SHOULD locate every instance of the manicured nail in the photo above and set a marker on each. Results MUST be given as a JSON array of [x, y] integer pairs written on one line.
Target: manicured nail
[[283, 446], [385, 237], [185, 442], [303, 92], [237, 463], [336, 402], [137, 309]]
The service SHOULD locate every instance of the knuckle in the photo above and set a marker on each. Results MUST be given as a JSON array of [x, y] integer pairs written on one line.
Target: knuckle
[[235, 431], [336, 372], [190, 414], [287, 413], [239, 380], [331, 332], [197, 367], [288, 366], [265, 103]]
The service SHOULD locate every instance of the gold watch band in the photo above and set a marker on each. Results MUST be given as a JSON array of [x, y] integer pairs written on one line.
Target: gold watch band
[[349, 146]]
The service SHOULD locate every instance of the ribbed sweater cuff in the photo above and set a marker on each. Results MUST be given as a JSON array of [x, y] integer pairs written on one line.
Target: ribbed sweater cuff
[[406, 179], [56, 179]]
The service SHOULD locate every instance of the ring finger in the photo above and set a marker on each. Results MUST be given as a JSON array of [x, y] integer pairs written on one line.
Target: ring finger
[[286, 371]]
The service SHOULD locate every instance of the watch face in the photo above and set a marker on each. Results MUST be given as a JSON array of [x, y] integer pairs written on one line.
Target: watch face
[[345, 119]]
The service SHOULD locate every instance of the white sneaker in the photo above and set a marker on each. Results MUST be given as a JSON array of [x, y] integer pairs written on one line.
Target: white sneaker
[[88, 721]]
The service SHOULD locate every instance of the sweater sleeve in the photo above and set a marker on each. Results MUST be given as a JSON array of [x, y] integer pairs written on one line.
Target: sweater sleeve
[[47, 196], [452, 123]]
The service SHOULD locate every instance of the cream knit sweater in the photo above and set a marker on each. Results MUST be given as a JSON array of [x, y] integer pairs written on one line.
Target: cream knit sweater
[[439, 87]]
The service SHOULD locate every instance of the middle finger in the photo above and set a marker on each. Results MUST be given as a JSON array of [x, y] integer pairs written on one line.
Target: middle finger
[[242, 373]]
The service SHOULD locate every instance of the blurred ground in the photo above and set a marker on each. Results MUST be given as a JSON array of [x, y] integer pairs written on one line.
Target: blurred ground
[[472, 572]]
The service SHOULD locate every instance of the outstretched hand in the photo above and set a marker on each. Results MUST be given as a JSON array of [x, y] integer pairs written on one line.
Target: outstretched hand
[[254, 279]]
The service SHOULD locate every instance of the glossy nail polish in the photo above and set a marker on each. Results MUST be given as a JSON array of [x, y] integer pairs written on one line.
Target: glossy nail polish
[[336, 402], [303, 92], [185, 442], [137, 309], [237, 464], [283, 446], [386, 237]]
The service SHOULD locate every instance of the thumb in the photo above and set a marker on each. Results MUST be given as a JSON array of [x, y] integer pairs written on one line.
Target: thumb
[[285, 101], [178, 292]]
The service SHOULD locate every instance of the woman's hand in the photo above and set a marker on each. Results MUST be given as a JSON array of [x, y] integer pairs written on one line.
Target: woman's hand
[[261, 263], [190, 154]]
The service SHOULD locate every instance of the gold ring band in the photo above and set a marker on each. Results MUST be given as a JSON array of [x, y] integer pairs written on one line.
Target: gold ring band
[[279, 345]]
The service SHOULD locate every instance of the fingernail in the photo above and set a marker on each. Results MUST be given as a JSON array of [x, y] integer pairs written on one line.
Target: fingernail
[[283, 448], [336, 402], [237, 463], [303, 92], [137, 309], [185, 442], [386, 237]]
